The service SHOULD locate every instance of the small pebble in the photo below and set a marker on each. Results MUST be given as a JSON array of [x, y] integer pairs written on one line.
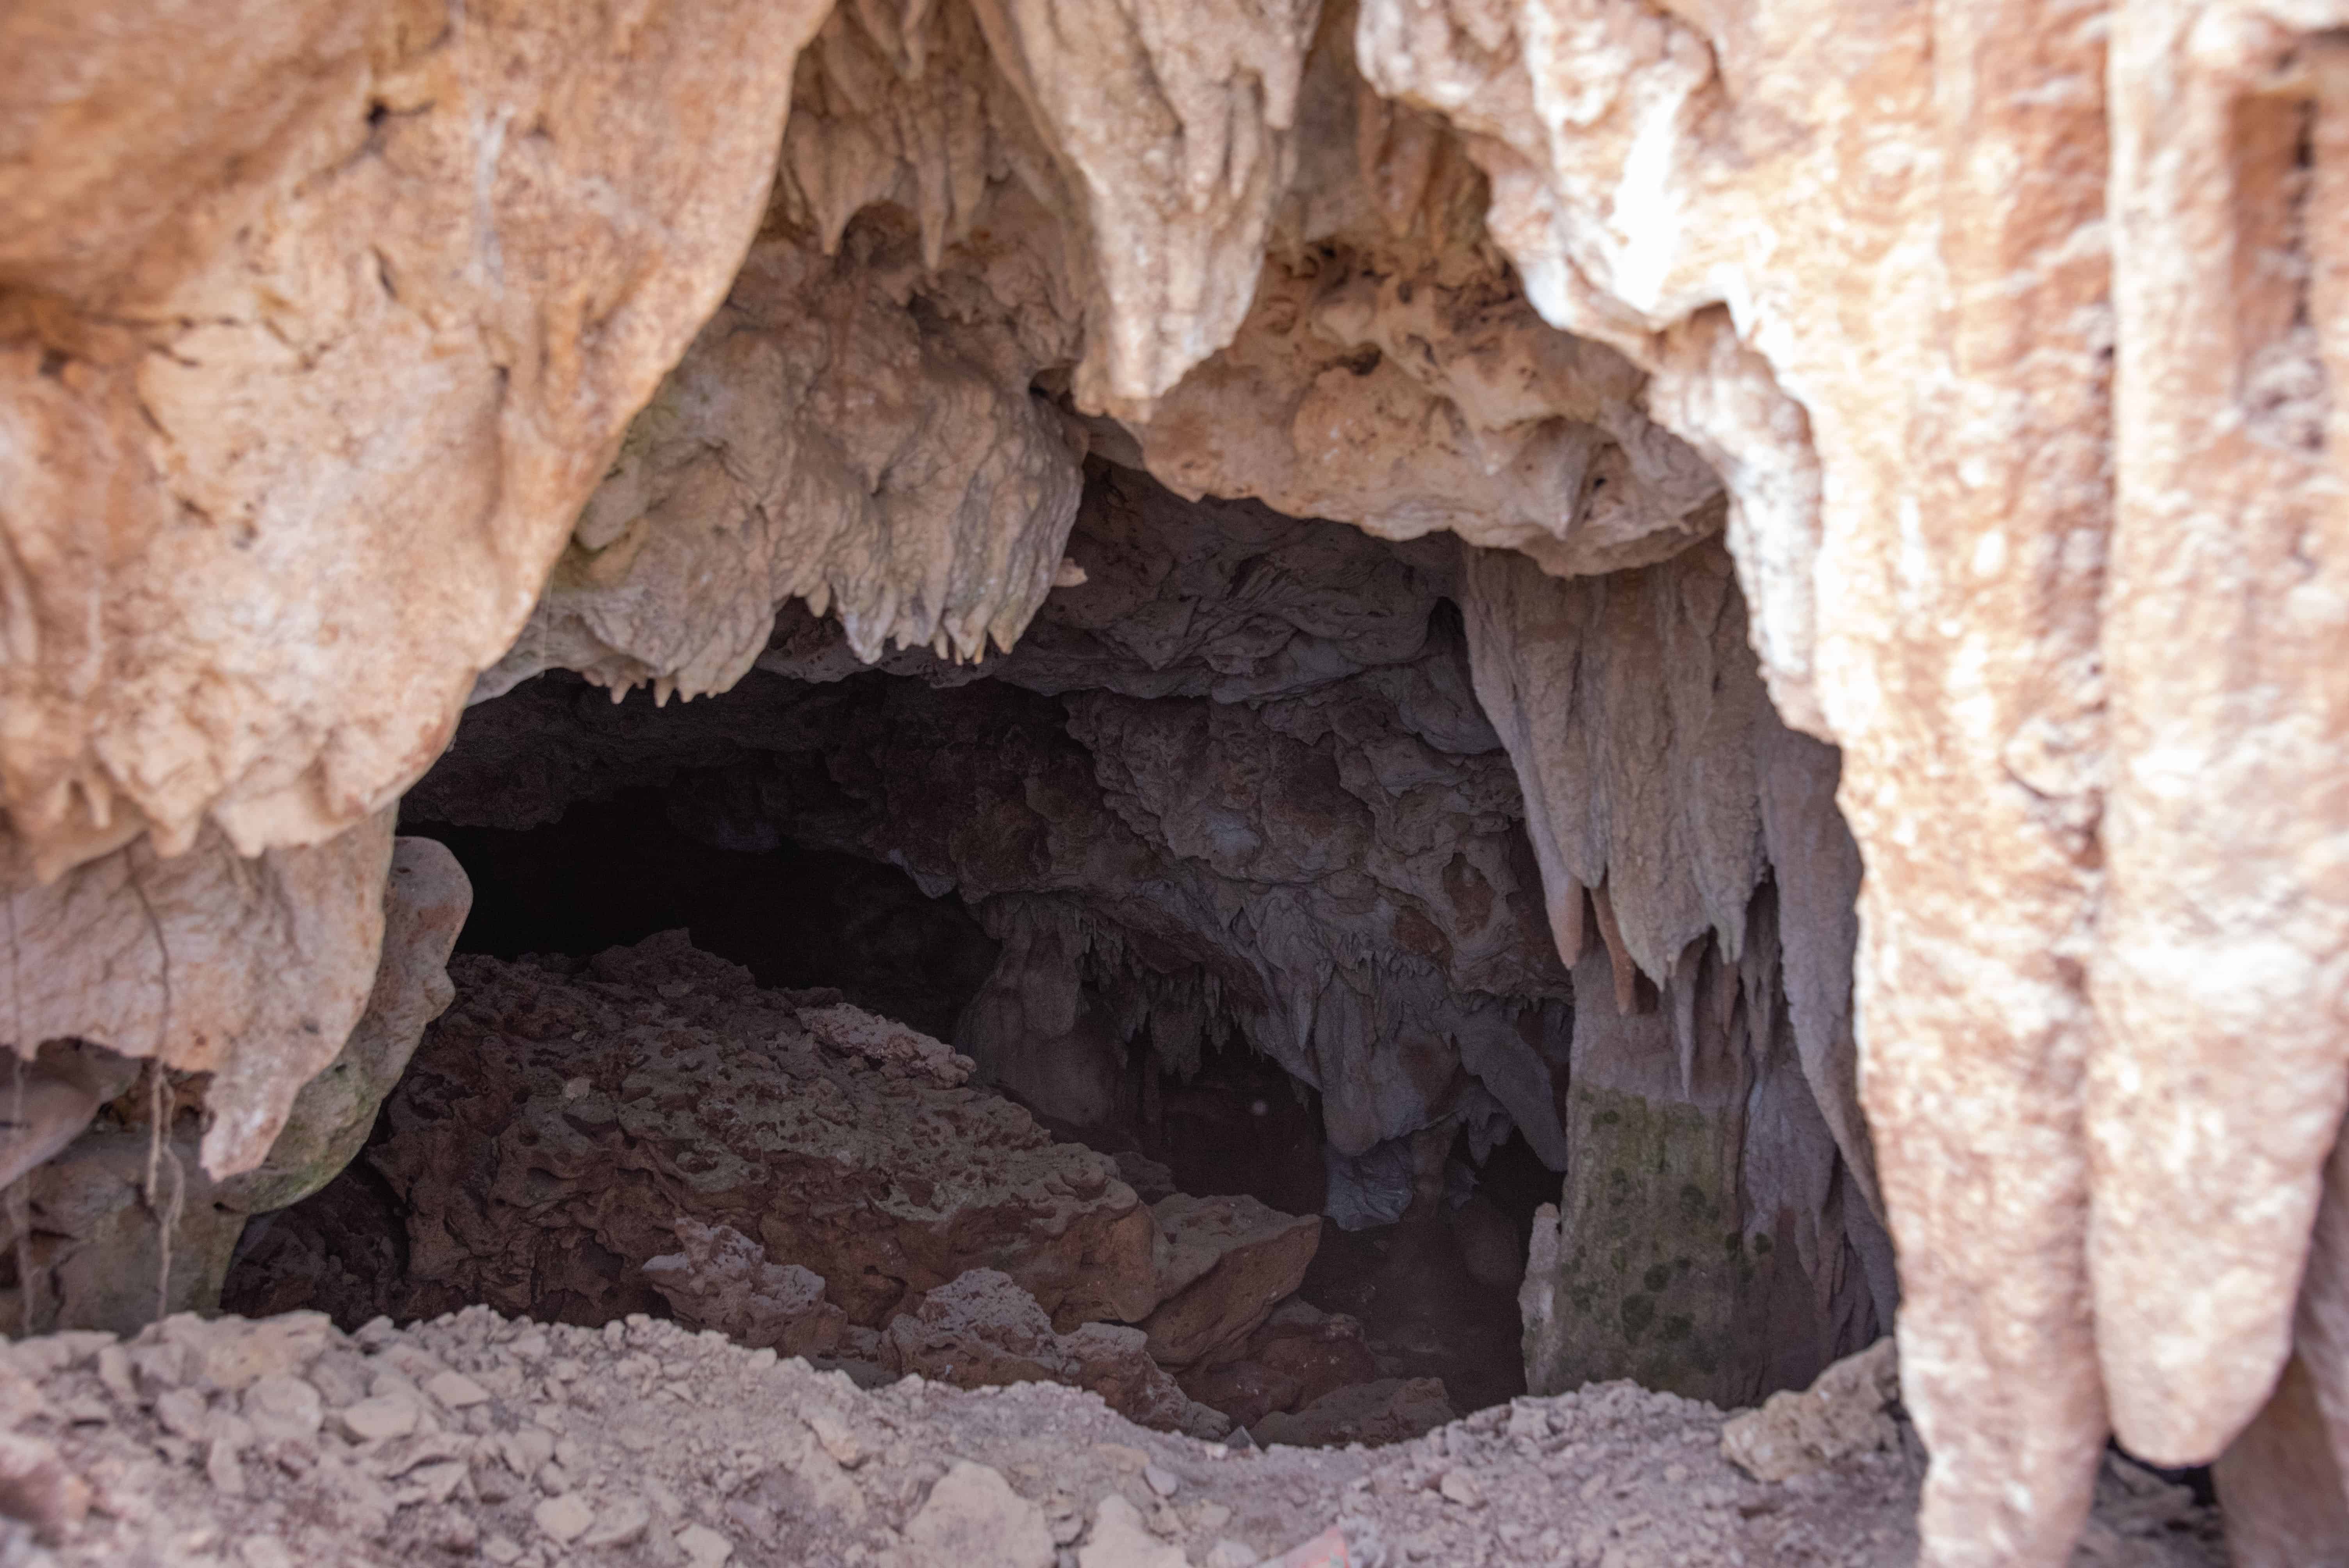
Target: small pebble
[[565, 1518], [704, 1547], [1161, 1480], [1458, 1487], [456, 1391], [384, 1416]]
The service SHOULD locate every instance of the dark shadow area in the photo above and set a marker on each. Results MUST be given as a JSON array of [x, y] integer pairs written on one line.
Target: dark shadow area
[[614, 871]]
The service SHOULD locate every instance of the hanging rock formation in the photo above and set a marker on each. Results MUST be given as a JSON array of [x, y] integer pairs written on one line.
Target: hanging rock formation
[[1716, 1155], [2003, 326], [1259, 801], [2007, 330], [125, 1223]]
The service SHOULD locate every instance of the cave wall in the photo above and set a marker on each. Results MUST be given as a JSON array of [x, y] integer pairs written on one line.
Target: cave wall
[[2006, 331], [1234, 785]]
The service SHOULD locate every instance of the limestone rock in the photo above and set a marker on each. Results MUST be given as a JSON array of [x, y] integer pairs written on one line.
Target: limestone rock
[[1390, 372], [982, 1329], [251, 970], [722, 1280], [2208, 921], [1696, 1100], [937, 520], [236, 392], [1845, 1413], [1225, 1264], [551, 1122], [426, 899], [896, 1049], [1389, 1410], [1228, 681], [1297, 1356], [36, 1486], [105, 1260], [972, 1516], [1121, 1540]]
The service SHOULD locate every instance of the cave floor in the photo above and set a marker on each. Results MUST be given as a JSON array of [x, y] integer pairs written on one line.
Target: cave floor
[[476, 1438]]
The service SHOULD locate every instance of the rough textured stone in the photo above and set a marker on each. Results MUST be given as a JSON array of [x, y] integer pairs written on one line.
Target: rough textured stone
[[254, 971], [723, 1280], [2006, 328], [982, 1329], [2208, 1130], [1389, 1410], [1245, 791], [1711, 1238], [282, 305], [1845, 1413], [550, 1124], [972, 1516], [1298, 1355], [124, 1225], [426, 899], [1226, 1264]]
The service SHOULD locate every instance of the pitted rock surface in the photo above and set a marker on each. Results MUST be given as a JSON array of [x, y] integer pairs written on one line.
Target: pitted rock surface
[[555, 1126]]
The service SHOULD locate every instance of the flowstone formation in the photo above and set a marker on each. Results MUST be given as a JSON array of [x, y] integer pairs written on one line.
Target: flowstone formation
[[1996, 342]]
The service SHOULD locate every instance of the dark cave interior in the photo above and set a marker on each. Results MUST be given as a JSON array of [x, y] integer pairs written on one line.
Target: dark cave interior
[[1435, 1287]]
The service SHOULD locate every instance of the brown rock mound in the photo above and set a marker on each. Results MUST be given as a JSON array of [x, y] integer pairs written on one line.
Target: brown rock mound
[[555, 1127]]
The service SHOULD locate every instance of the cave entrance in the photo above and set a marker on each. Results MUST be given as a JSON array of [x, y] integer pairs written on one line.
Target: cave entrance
[[1220, 876]]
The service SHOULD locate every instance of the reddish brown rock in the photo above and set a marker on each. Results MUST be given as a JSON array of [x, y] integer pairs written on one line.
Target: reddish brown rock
[[1223, 1263], [553, 1128], [722, 1280], [1297, 1356]]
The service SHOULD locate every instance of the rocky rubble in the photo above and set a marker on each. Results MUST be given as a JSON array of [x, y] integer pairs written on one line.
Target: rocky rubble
[[475, 1437], [981, 1329], [650, 1131], [1267, 804], [1235, 783], [552, 1122]]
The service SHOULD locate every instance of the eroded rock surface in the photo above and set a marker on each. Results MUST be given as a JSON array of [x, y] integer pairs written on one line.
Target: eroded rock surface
[[1234, 784], [1227, 1262], [124, 1223], [721, 1279], [555, 1126], [2005, 329], [982, 1329]]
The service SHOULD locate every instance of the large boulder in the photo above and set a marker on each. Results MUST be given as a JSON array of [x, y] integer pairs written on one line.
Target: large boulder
[[1224, 1264]]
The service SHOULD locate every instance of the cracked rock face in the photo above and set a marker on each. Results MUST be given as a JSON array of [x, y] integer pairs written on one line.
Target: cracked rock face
[[2006, 331]]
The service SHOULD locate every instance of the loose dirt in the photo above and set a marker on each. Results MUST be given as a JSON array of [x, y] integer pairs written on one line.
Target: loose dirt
[[477, 1437]]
